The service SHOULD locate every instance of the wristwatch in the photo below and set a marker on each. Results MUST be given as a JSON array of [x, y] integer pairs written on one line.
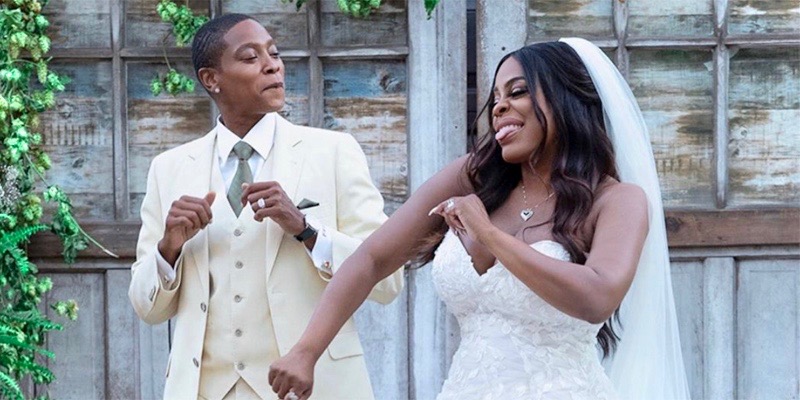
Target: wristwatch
[[307, 233]]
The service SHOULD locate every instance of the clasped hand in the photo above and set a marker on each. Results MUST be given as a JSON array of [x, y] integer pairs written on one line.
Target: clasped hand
[[268, 200], [465, 215], [188, 215]]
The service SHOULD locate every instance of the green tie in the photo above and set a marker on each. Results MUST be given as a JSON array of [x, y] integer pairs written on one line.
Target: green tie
[[243, 152]]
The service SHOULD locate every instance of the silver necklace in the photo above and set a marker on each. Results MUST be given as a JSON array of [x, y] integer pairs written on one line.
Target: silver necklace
[[527, 212]]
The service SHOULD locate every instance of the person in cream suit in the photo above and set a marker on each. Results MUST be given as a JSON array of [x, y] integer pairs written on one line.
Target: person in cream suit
[[225, 249]]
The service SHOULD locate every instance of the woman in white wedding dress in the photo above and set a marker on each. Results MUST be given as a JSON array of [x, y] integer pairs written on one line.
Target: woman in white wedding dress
[[539, 233]]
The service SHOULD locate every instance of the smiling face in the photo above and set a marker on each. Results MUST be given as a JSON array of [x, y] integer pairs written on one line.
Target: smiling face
[[519, 132], [250, 72]]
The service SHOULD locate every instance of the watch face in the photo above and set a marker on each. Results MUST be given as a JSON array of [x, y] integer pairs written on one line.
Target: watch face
[[306, 233]]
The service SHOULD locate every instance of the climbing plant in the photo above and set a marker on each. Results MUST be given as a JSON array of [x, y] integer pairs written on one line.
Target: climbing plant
[[27, 88], [185, 24]]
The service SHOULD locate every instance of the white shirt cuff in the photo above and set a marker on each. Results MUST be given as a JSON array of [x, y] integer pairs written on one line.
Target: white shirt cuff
[[322, 254], [166, 272]]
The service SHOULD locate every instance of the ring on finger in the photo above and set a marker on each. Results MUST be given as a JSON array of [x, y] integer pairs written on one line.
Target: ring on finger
[[450, 204], [261, 203], [291, 396]]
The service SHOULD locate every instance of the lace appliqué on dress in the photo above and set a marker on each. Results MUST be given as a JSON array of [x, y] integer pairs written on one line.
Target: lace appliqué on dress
[[514, 345]]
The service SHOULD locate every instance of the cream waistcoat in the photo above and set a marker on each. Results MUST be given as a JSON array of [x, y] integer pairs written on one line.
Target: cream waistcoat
[[240, 339]]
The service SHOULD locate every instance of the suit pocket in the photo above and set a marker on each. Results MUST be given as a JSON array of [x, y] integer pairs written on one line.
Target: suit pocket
[[345, 345]]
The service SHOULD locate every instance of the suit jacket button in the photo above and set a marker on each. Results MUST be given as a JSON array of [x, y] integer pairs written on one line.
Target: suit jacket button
[[237, 232], [240, 366], [237, 298], [239, 265], [203, 307], [196, 363]]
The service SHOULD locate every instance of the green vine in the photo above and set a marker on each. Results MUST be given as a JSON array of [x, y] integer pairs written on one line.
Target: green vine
[[363, 8], [27, 88], [185, 25]]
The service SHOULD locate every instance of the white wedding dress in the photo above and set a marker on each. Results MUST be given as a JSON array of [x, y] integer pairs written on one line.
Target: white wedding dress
[[514, 345]]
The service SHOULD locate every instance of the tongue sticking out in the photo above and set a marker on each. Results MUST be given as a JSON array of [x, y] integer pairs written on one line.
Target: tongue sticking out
[[505, 131]]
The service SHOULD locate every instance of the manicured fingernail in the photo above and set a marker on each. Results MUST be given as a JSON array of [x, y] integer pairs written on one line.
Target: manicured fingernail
[[433, 210]]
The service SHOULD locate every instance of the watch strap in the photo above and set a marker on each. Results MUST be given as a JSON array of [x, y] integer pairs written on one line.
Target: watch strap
[[306, 233]]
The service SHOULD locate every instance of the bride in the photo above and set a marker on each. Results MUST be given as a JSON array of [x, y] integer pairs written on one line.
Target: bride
[[547, 243]]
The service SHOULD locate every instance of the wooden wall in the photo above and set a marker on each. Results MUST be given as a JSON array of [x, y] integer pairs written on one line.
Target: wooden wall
[[718, 82]]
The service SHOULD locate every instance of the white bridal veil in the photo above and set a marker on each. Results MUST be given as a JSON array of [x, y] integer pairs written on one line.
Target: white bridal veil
[[647, 363]]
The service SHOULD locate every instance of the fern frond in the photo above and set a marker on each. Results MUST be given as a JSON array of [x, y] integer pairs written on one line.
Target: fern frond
[[10, 387], [20, 235]]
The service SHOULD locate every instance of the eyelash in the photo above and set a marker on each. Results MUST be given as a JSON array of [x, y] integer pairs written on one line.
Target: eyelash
[[515, 93], [273, 55]]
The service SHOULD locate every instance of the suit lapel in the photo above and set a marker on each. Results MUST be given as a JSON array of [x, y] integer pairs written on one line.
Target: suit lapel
[[287, 164], [195, 180]]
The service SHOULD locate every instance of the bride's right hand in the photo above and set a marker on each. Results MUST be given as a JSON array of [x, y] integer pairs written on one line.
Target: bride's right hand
[[293, 372]]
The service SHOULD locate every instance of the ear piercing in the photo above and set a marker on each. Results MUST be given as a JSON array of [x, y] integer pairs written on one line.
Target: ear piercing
[[216, 90]]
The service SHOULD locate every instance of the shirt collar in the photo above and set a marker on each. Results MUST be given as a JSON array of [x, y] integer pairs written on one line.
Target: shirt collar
[[259, 137]]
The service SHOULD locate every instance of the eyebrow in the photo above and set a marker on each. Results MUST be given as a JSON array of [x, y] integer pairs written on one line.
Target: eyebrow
[[255, 45], [510, 82]]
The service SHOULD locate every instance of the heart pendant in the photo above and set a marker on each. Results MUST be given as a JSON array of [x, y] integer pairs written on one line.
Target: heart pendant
[[526, 214]]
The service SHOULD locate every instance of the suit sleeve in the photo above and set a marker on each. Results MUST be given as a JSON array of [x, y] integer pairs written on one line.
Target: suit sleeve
[[359, 212], [154, 299]]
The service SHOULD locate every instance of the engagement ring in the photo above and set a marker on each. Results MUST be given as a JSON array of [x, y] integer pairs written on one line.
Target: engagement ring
[[291, 396], [261, 203]]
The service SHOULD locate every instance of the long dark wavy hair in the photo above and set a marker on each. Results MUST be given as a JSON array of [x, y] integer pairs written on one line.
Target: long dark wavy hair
[[584, 156]]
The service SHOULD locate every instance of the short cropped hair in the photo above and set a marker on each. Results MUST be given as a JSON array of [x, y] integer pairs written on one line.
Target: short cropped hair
[[208, 46]]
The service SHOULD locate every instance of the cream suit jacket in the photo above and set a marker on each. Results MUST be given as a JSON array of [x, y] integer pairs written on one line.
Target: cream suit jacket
[[324, 166]]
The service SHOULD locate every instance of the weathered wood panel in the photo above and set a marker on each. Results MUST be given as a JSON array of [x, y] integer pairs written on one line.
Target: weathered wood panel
[[733, 228], [368, 100], [764, 143], [143, 26], [388, 26], [79, 23], [687, 284], [78, 135], [382, 331], [297, 107], [436, 137], [284, 22], [152, 355], [763, 17], [769, 329], [121, 325], [156, 124], [557, 18], [650, 18], [675, 91], [80, 362]]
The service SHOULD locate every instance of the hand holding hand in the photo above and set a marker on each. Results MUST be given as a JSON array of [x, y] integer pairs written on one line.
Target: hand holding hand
[[293, 372], [465, 215], [187, 216], [268, 200]]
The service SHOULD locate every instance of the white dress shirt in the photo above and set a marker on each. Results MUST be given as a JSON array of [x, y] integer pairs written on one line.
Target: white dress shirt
[[260, 138]]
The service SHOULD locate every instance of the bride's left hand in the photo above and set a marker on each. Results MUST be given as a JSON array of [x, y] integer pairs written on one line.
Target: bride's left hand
[[465, 215]]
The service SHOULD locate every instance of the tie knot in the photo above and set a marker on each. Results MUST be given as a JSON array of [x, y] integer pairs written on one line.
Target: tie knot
[[243, 150]]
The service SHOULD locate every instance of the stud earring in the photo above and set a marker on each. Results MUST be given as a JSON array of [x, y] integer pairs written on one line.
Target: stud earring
[[216, 90]]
